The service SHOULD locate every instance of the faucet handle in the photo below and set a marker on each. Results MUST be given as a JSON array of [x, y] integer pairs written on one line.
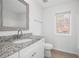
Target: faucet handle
[[20, 33]]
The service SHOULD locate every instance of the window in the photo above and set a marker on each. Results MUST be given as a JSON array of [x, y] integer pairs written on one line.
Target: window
[[63, 22]]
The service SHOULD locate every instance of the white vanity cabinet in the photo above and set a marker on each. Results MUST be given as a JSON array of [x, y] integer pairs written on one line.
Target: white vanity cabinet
[[35, 50]]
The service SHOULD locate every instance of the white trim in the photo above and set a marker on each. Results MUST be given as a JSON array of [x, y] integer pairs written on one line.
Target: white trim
[[66, 51]]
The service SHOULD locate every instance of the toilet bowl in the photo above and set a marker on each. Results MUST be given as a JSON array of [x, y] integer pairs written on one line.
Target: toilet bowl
[[48, 48]]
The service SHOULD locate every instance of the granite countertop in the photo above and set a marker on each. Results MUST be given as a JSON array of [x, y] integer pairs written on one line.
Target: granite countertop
[[9, 48]]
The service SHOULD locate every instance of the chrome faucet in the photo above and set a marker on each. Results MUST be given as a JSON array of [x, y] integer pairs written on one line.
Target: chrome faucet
[[20, 33]]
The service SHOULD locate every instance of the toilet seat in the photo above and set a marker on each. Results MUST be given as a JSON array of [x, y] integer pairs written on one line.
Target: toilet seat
[[48, 46]]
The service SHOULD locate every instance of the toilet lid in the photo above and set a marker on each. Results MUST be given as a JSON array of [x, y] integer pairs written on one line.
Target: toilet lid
[[48, 46]]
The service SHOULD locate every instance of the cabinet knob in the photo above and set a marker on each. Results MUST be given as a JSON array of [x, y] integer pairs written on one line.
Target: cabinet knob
[[34, 54]]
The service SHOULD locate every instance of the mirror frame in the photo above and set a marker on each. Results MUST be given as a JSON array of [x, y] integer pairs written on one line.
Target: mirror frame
[[2, 28]]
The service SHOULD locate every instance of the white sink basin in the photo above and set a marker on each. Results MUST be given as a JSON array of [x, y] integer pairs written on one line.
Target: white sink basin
[[22, 41]]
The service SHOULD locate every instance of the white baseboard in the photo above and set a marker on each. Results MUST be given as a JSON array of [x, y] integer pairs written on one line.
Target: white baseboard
[[66, 51]]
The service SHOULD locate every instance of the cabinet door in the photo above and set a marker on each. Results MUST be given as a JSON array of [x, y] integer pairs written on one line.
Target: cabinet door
[[39, 50], [34, 51], [15, 55], [26, 52]]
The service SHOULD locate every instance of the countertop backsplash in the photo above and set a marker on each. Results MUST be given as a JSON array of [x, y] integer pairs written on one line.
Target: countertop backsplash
[[10, 38]]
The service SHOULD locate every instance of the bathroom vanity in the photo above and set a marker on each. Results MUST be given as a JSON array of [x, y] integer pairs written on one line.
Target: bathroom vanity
[[34, 50], [22, 48]]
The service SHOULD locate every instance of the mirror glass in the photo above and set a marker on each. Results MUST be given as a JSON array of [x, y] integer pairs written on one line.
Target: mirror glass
[[14, 15]]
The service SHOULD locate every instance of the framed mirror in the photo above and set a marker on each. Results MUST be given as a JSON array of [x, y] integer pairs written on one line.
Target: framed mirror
[[14, 15]]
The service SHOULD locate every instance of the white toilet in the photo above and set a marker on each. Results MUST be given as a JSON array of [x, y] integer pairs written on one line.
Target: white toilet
[[48, 48]]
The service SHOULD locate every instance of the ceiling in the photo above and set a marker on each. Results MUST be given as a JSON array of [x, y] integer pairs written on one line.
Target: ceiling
[[52, 2]]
